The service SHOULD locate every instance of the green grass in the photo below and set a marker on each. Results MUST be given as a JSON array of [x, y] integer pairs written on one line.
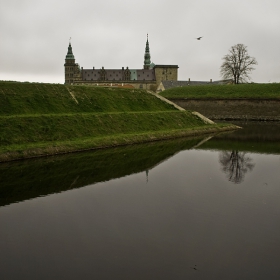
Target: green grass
[[16, 130], [43, 119], [29, 98], [257, 91]]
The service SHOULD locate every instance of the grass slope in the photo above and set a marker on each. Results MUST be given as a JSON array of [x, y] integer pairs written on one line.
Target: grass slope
[[256, 91], [42, 119], [33, 98]]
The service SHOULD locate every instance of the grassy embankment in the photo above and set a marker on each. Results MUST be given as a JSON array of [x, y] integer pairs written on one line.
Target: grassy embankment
[[45, 119], [247, 91]]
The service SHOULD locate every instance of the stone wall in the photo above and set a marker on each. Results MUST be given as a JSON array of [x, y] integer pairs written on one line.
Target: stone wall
[[151, 85], [233, 109], [166, 73]]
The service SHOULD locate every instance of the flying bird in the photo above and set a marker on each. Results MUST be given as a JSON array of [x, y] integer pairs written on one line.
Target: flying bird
[[198, 38]]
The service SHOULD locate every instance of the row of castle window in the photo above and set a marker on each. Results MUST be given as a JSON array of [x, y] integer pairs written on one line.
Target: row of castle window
[[110, 74], [113, 72], [119, 79], [117, 75]]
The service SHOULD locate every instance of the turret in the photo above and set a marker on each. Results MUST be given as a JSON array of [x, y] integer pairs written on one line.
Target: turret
[[147, 56], [69, 66]]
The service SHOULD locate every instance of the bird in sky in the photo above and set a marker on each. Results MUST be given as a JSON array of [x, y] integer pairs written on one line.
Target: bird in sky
[[198, 38]]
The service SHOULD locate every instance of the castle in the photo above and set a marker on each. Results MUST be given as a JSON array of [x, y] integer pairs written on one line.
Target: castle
[[148, 78]]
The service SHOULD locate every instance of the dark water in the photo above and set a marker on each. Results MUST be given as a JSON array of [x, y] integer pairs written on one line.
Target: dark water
[[202, 208]]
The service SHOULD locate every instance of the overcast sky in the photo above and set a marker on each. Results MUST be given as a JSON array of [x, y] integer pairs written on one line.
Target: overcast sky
[[34, 36]]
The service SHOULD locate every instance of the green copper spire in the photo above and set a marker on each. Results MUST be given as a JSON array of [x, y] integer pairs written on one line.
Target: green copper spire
[[147, 56], [70, 53]]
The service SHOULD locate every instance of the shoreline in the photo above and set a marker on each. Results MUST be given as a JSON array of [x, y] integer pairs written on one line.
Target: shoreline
[[82, 145]]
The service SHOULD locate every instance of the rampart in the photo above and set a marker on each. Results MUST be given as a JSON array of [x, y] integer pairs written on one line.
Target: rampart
[[233, 109]]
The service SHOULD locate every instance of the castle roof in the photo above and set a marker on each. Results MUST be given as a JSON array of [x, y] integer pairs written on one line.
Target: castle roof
[[118, 74], [165, 66], [147, 56], [69, 53]]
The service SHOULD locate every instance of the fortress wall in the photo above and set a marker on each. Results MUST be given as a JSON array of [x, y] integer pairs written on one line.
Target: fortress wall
[[149, 85], [253, 109]]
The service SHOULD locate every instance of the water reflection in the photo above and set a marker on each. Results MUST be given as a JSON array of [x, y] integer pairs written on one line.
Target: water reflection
[[28, 179], [101, 220], [255, 137], [235, 164]]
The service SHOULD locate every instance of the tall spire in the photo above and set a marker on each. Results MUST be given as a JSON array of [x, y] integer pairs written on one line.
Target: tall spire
[[147, 56], [70, 53]]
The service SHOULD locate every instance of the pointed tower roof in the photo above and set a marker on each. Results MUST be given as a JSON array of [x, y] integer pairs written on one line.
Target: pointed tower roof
[[147, 56], [69, 53]]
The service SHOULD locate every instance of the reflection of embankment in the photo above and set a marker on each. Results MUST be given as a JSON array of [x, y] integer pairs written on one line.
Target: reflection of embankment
[[38, 177], [259, 137]]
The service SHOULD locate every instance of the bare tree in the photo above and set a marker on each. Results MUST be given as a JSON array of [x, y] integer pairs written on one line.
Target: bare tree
[[237, 65]]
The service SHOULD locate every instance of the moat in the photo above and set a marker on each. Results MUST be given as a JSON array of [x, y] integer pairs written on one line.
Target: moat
[[194, 208]]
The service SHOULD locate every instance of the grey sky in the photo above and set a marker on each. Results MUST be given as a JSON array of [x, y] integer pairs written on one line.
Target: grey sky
[[34, 36]]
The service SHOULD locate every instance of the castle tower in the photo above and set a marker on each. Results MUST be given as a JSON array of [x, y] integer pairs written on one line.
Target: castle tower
[[147, 56], [69, 66]]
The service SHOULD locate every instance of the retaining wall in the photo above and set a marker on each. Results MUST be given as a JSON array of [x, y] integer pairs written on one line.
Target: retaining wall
[[233, 109]]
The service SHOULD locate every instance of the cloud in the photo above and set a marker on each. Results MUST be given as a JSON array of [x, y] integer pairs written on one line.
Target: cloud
[[35, 35]]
